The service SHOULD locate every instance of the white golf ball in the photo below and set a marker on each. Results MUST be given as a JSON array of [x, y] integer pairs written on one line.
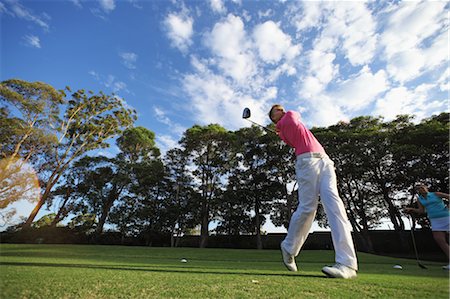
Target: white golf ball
[[183, 260], [397, 267]]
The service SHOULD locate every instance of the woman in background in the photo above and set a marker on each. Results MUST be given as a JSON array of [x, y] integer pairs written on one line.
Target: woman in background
[[438, 213]]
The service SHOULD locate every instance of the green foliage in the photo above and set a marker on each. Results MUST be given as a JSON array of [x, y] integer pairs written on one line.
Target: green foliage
[[83, 223], [208, 151], [44, 221], [138, 142], [234, 178]]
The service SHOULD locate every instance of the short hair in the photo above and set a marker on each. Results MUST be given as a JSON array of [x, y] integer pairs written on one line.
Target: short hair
[[276, 106]]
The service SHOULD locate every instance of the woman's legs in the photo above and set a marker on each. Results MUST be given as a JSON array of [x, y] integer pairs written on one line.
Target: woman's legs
[[440, 238]]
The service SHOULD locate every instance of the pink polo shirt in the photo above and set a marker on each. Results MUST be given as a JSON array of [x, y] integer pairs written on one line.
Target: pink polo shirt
[[295, 134]]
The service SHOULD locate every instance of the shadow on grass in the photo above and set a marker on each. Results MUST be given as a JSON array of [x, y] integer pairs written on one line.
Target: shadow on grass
[[186, 270]]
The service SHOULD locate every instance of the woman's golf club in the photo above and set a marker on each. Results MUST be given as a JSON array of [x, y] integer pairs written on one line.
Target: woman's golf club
[[246, 115], [414, 244]]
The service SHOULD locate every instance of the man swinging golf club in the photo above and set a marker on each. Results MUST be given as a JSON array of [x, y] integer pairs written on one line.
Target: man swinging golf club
[[315, 175]]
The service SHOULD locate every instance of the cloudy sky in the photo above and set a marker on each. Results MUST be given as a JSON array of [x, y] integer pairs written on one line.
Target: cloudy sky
[[180, 63]]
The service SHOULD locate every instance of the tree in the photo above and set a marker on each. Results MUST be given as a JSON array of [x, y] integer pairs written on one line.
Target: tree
[[37, 105], [421, 152], [25, 136], [252, 188], [103, 181], [360, 152], [44, 221], [17, 181], [182, 194], [89, 121], [208, 151], [133, 214]]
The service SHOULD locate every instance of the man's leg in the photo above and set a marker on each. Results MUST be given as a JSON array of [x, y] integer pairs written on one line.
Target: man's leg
[[337, 217], [307, 170]]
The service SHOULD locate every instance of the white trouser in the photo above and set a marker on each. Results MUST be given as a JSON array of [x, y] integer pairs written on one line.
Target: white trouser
[[316, 175]]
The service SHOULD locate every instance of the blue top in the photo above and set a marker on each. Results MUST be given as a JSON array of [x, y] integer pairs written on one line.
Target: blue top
[[434, 205]]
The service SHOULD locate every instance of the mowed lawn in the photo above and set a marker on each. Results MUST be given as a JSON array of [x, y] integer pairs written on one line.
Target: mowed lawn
[[87, 271]]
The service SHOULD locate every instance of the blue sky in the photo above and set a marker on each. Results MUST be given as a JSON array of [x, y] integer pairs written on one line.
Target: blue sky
[[180, 63]]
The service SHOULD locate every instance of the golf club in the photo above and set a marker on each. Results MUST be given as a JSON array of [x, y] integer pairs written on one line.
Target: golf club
[[246, 115], [414, 245]]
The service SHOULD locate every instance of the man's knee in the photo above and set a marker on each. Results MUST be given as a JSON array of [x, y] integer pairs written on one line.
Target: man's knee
[[307, 209]]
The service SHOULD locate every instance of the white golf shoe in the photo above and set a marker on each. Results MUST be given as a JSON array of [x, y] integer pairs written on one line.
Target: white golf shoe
[[288, 259], [339, 271]]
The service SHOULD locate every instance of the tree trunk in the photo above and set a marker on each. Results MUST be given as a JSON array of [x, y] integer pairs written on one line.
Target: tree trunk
[[38, 206], [61, 214], [258, 225], [204, 225], [50, 183], [112, 197]]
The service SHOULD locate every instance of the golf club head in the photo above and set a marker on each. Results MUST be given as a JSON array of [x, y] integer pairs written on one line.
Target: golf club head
[[246, 113]]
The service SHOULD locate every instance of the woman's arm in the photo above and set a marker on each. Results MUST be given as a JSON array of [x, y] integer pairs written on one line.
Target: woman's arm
[[442, 195], [420, 210]]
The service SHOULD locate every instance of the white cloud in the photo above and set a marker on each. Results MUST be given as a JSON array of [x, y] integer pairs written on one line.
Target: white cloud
[[165, 143], [218, 6], [110, 82], [359, 37], [265, 14], [229, 42], [341, 72], [136, 3], [345, 26], [95, 75], [437, 53], [273, 44], [309, 15], [3, 8], [17, 9], [402, 100], [77, 3], [414, 39], [107, 5], [310, 87], [410, 24], [360, 91], [215, 100], [321, 112], [32, 41], [129, 59], [406, 65], [444, 80], [162, 118], [322, 67], [180, 30]]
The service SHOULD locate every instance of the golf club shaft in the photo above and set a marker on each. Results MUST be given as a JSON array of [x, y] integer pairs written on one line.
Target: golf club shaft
[[267, 129], [414, 244]]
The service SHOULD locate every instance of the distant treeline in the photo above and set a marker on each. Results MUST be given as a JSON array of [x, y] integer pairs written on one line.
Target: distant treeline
[[233, 178]]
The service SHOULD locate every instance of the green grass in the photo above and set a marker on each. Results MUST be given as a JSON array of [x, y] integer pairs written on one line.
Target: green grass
[[85, 271]]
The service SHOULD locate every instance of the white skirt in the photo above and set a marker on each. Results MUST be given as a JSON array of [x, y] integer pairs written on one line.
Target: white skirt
[[440, 224]]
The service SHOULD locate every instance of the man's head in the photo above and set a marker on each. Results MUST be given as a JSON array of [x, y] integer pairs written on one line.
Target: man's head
[[276, 113]]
